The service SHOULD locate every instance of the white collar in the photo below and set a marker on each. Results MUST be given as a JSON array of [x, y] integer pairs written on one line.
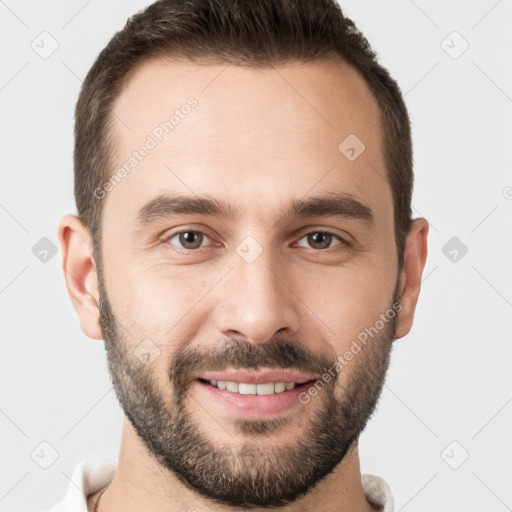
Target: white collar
[[91, 475]]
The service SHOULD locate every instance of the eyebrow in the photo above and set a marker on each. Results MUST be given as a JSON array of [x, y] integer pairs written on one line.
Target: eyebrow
[[333, 204]]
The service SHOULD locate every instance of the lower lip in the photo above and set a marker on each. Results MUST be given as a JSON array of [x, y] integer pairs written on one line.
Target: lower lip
[[255, 406]]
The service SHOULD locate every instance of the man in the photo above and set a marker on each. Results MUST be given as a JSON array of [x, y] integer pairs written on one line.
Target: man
[[245, 248]]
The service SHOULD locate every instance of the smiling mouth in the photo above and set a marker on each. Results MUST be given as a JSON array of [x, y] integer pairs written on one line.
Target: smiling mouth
[[245, 388]]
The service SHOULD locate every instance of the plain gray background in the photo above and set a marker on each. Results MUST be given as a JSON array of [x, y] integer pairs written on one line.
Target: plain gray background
[[441, 436]]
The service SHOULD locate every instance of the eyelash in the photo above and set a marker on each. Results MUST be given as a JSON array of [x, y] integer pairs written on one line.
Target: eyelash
[[343, 245]]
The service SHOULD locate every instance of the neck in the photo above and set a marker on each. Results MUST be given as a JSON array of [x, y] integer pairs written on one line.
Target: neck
[[141, 483]]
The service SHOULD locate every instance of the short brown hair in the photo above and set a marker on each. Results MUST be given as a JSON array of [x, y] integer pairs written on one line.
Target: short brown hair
[[255, 33]]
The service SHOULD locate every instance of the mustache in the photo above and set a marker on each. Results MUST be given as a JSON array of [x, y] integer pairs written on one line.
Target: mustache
[[242, 355]]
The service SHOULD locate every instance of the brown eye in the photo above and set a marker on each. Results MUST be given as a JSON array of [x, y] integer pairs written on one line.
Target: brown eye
[[322, 240], [188, 239]]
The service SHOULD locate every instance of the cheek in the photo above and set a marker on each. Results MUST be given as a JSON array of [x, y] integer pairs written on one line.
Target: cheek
[[350, 301], [161, 304]]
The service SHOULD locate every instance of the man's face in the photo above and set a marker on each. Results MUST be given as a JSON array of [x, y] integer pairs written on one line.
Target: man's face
[[260, 289]]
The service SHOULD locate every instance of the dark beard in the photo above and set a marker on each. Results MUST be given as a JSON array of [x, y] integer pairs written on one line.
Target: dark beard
[[251, 475]]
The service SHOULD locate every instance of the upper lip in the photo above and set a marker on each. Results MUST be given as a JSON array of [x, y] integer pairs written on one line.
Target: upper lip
[[258, 377]]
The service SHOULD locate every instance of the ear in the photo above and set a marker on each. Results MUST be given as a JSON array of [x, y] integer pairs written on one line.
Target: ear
[[415, 255], [80, 273]]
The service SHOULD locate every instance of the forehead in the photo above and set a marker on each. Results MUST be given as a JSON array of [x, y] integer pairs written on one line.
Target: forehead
[[240, 132], [330, 95]]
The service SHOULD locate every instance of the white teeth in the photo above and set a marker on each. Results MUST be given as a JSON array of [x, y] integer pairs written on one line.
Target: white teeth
[[244, 388], [265, 389], [280, 386], [232, 386]]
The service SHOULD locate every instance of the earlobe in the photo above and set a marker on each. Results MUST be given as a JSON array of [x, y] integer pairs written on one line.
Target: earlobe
[[80, 273], [415, 256]]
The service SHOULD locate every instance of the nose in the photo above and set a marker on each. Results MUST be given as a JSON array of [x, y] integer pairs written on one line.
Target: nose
[[257, 301]]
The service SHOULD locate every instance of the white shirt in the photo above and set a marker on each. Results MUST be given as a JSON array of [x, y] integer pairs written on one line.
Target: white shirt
[[91, 475]]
